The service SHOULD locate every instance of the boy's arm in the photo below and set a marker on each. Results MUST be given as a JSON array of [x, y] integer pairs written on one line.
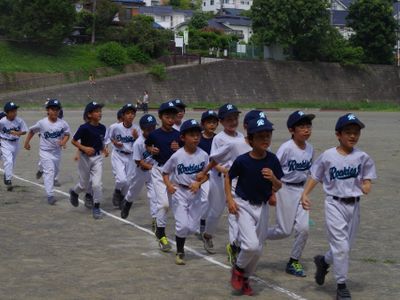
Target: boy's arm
[[30, 135], [207, 169], [170, 187], [64, 140], [269, 174], [366, 186], [87, 150], [232, 205], [144, 165], [305, 200], [17, 133]]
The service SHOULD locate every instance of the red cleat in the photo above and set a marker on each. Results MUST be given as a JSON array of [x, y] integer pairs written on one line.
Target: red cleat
[[246, 289], [237, 279]]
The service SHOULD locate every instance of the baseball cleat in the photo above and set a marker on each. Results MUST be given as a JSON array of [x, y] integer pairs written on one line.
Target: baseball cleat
[[296, 269], [51, 200], [246, 288], [232, 254], [322, 269], [9, 185], [39, 174], [88, 201], [117, 198], [164, 244], [125, 207], [208, 244], [73, 198], [180, 259], [343, 294], [97, 214], [237, 279]]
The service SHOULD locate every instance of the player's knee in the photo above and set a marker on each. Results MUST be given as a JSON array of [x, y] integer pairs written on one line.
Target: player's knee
[[303, 229], [252, 246]]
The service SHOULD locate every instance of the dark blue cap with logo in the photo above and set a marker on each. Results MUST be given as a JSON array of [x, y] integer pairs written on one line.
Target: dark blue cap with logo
[[91, 106], [348, 119], [189, 125], [227, 109], [179, 103], [209, 114], [298, 116], [53, 103], [9, 106], [259, 124], [147, 121], [253, 114], [128, 106], [167, 106]]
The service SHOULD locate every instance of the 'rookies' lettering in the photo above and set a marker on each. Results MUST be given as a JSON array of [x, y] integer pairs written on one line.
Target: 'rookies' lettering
[[125, 139], [190, 169], [345, 173], [53, 135], [8, 130], [299, 166]]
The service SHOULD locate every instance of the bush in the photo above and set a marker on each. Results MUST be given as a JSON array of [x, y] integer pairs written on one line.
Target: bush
[[137, 55], [112, 54], [158, 71]]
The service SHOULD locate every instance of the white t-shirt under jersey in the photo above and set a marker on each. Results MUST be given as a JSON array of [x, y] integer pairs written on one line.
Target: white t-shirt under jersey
[[51, 133], [342, 175]]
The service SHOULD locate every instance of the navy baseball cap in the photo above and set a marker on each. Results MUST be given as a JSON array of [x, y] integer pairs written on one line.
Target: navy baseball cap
[[348, 119], [179, 103], [53, 103], [298, 116], [253, 114], [259, 124], [208, 115], [2, 115], [147, 121], [190, 124], [227, 109], [91, 106], [119, 113], [128, 106], [10, 106], [169, 105]]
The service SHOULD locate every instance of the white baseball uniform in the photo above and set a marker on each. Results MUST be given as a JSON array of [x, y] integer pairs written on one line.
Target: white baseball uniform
[[51, 134], [10, 143], [342, 176], [183, 168], [290, 215], [141, 177], [122, 161]]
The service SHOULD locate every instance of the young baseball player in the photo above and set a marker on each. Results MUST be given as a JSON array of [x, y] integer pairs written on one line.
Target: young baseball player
[[181, 107], [258, 174], [123, 136], [209, 123], [142, 176], [11, 128], [295, 157], [179, 175], [54, 134], [345, 173], [162, 143], [89, 139]]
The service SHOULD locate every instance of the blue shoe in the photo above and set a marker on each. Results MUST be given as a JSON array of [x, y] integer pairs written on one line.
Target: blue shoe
[[51, 200], [296, 269], [73, 198], [97, 214]]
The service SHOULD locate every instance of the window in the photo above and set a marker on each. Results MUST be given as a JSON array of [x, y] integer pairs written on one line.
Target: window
[[204, 3], [162, 18], [211, 2]]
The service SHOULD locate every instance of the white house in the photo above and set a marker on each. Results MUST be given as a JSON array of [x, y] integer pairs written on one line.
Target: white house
[[166, 16], [215, 5]]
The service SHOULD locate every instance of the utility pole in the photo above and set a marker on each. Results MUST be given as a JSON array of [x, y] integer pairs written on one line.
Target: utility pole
[[398, 36], [94, 21]]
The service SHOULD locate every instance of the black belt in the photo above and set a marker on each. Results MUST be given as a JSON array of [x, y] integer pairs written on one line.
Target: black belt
[[95, 154], [295, 183], [9, 140], [123, 152], [160, 165], [347, 200], [184, 186]]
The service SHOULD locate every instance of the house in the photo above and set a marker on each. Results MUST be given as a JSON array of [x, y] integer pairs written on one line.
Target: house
[[128, 8], [215, 5], [238, 25], [166, 16]]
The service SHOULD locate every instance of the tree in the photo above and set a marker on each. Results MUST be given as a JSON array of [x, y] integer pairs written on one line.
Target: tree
[[299, 26], [375, 29], [40, 22], [199, 20]]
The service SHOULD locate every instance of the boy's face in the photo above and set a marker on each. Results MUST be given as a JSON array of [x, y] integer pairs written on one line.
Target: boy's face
[[12, 114], [168, 119], [53, 112], [261, 140], [349, 135], [231, 122], [129, 116], [147, 130], [302, 131], [95, 115], [180, 115], [191, 138], [210, 125]]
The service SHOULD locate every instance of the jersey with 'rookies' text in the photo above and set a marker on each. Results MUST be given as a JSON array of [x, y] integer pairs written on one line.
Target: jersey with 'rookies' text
[[51, 133], [6, 126]]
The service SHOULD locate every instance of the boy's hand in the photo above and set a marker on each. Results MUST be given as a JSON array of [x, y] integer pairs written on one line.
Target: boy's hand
[[268, 174], [272, 200], [106, 152], [13, 132], [233, 207], [118, 144], [135, 134], [174, 146], [171, 189], [305, 202], [89, 151], [221, 169], [200, 176], [62, 144], [194, 186], [154, 150], [77, 157], [27, 146], [366, 187]]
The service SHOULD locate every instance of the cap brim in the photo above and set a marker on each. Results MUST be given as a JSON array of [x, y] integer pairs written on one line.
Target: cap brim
[[357, 122], [172, 109], [229, 113]]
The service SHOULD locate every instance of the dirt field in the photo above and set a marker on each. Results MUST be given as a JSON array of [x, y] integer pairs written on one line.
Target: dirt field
[[61, 252]]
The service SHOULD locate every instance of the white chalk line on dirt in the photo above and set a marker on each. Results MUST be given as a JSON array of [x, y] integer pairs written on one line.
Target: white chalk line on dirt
[[210, 259]]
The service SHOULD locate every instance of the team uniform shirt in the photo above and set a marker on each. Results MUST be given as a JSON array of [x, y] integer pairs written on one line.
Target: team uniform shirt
[[123, 135], [342, 175], [51, 133], [91, 136], [205, 144], [107, 139], [251, 185], [183, 166], [140, 152], [162, 140], [6, 126], [295, 162]]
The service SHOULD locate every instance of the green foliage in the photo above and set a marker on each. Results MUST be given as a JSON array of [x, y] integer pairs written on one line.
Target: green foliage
[[112, 54], [44, 23], [375, 29], [205, 39], [105, 12], [158, 71], [182, 4], [137, 55], [199, 20]]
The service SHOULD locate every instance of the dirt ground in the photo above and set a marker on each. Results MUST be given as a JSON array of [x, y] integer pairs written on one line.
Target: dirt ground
[[61, 252]]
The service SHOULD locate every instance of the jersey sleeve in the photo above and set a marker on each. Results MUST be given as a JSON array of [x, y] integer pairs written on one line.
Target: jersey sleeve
[[281, 154], [369, 171], [137, 151], [169, 165], [317, 169], [24, 127], [278, 172], [35, 128], [235, 169], [67, 129], [219, 153], [79, 133]]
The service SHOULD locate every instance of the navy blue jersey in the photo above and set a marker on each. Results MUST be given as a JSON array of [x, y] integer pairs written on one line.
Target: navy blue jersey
[[91, 136], [162, 140], [205, 144], [251, 185]]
